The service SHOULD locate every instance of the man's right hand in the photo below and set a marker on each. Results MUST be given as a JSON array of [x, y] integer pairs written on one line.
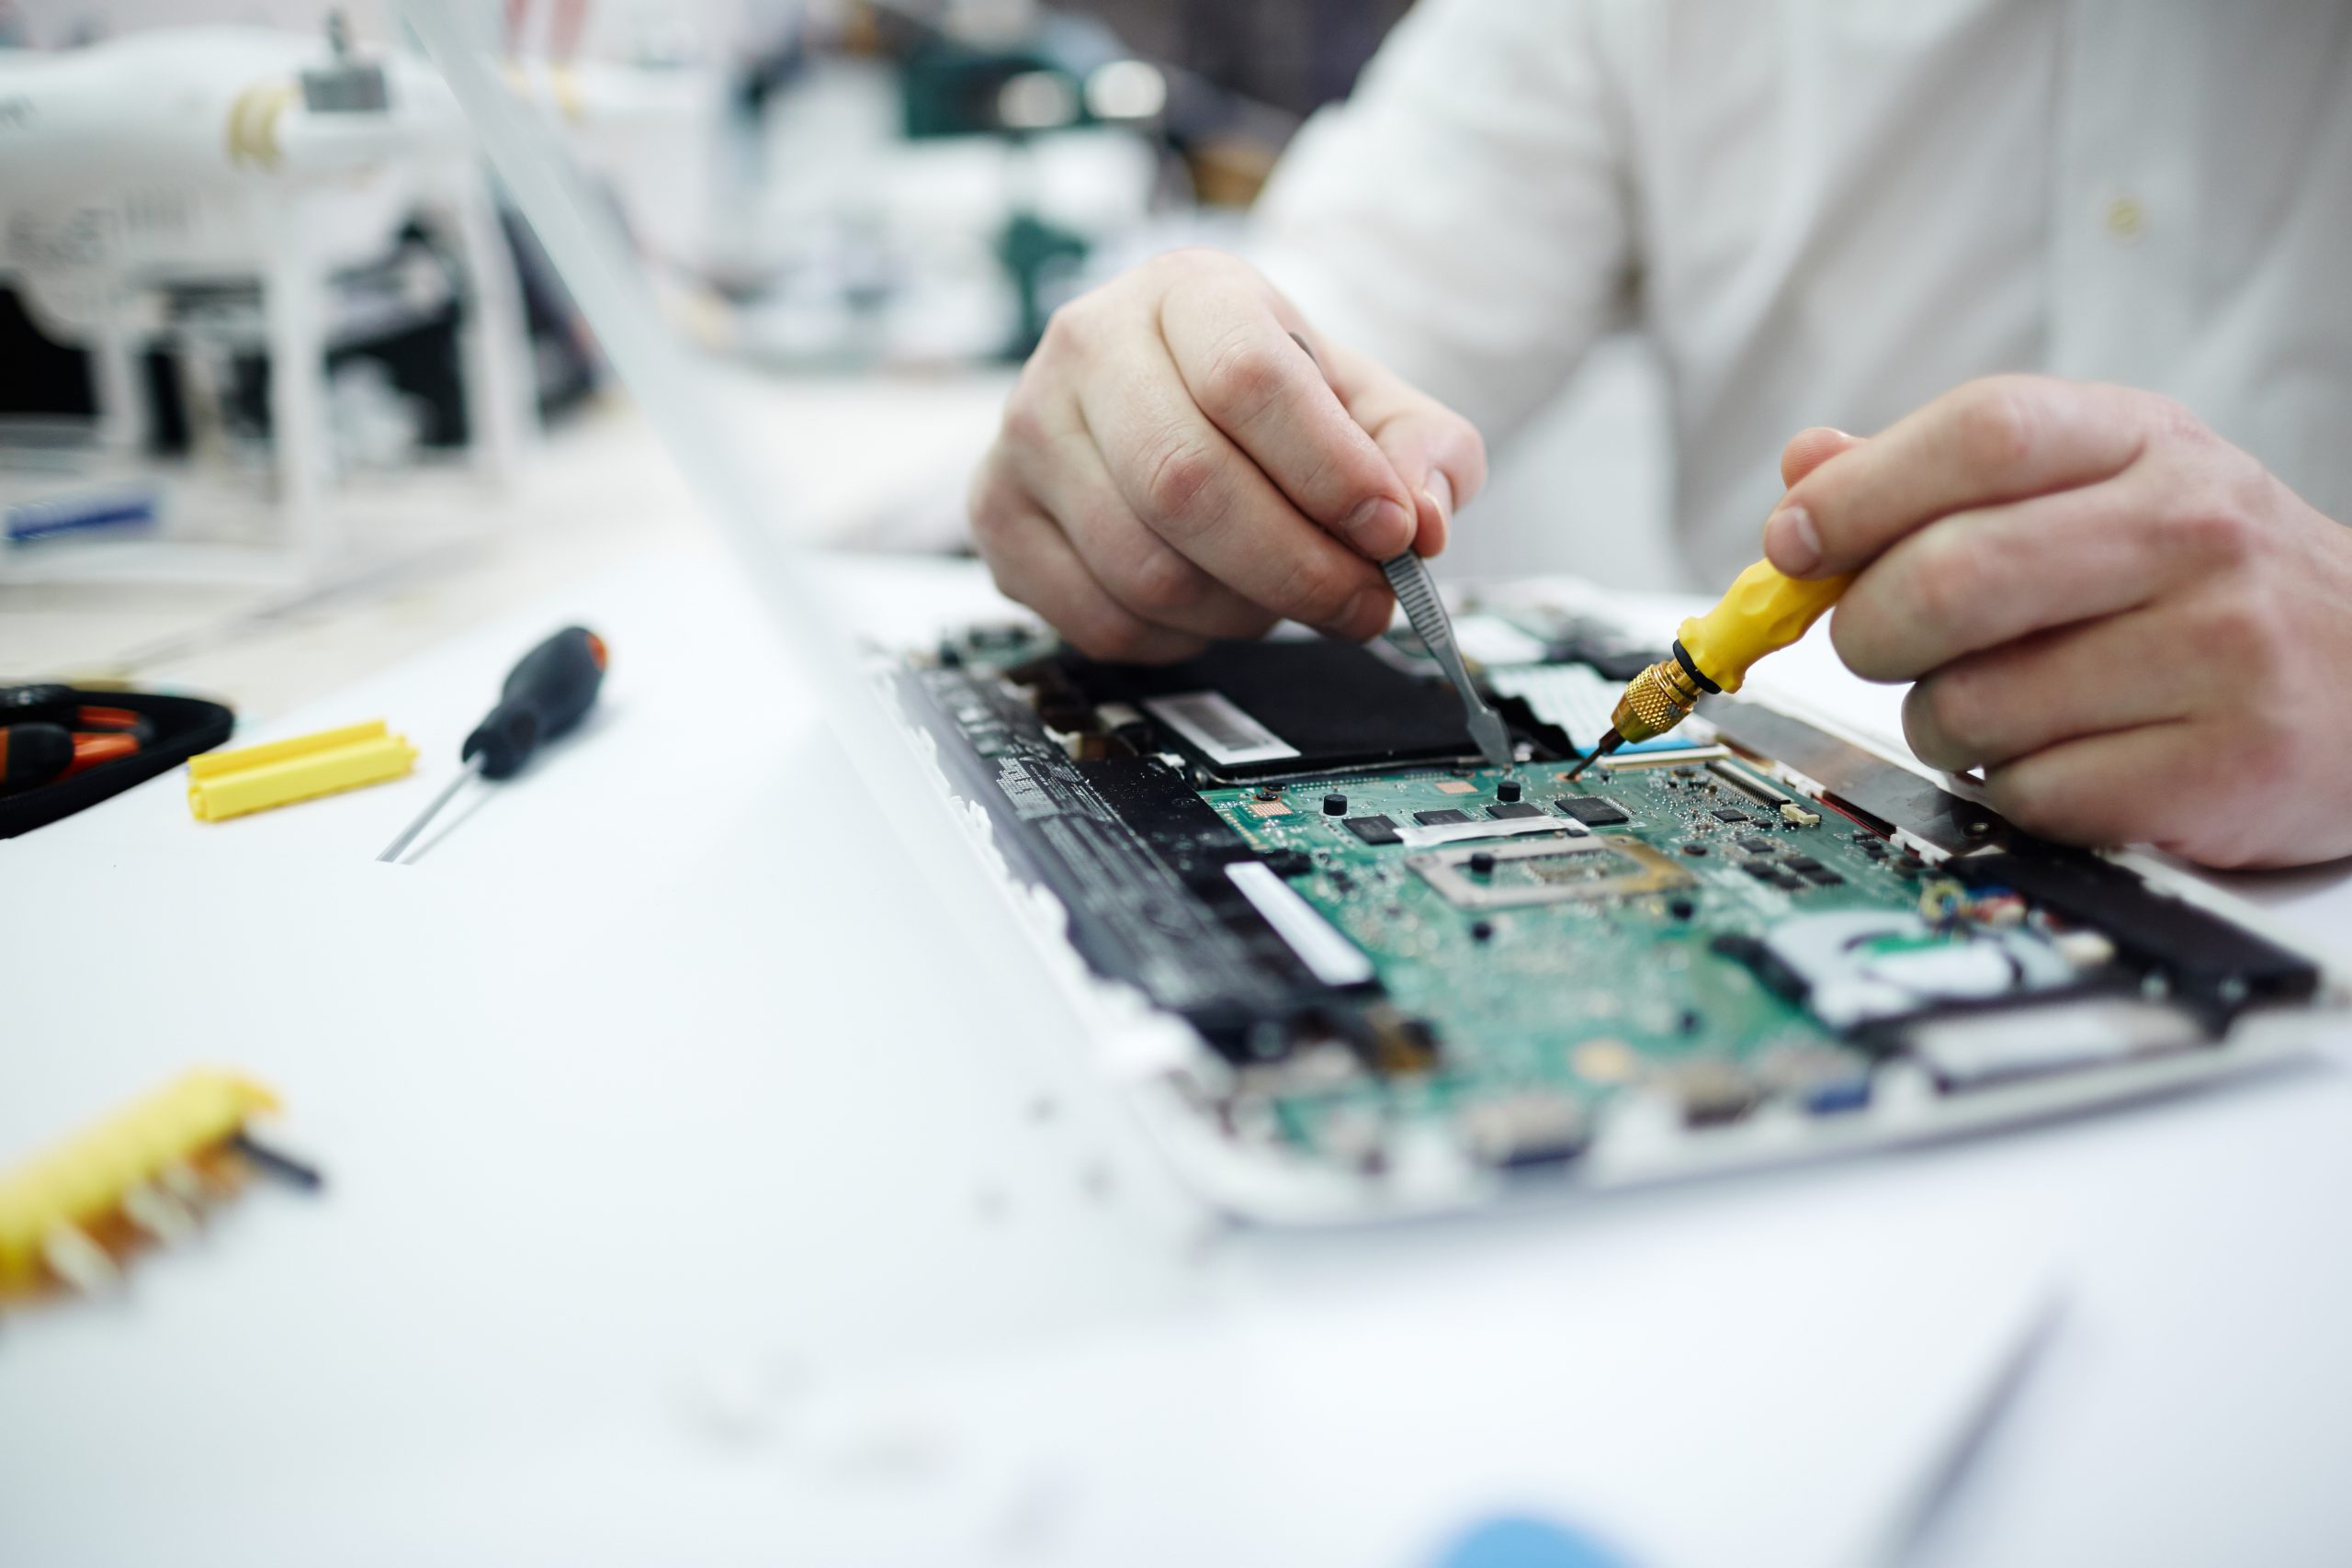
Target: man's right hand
[[1173, 469]]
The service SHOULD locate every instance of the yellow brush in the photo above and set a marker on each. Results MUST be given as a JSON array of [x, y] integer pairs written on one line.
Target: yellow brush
[[1762, 611]]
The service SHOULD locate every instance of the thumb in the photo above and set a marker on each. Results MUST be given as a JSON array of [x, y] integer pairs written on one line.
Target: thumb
[[1438, 454], [1443, 461]]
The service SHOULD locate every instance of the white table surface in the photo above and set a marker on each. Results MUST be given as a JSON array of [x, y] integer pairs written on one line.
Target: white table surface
[[691, 1200]]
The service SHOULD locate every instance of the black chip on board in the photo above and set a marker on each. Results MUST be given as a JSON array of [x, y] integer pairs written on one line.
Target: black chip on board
[[1591, 812], [1439, 818], [1725, 814], [1757, 845], [1373, 830], [1822, 877], [1510, 809], [1802, 863]]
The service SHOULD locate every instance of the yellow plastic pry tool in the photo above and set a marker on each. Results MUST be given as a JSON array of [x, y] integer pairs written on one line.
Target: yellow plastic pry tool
[[254, 778], [1762, 611], [66, 1214]]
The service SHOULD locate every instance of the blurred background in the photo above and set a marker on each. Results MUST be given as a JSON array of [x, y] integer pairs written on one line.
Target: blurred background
[[274, 349]]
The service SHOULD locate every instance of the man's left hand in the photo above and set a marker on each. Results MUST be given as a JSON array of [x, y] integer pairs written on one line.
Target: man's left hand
[[2137, 631]]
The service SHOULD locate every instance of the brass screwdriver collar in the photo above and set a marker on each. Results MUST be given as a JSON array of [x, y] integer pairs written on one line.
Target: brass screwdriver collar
[[1656, 701]]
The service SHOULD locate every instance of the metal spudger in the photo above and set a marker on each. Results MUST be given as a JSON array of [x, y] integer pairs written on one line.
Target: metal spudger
[[1410, 578], [1418, 594]]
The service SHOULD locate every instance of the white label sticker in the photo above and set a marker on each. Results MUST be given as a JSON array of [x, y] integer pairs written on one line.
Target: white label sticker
[[1020, 787], [1414, 836], [1320, 945], [1219, 728]]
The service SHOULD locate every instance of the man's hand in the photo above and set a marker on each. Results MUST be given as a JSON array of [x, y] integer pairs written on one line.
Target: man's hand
[[1174, 467], [2136, 631]]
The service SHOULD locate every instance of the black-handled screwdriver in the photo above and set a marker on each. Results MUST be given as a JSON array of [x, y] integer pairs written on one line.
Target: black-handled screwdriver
[[547, 693]]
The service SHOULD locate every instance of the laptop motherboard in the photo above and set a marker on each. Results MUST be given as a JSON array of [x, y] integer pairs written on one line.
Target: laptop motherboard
[[1755, 937]]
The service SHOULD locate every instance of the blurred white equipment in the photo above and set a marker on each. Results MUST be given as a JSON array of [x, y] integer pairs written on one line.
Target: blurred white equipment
[[196, 157]]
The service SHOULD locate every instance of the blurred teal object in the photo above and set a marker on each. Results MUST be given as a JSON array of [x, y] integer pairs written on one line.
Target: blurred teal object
[[1035, 253], [1516, 1542], [949, 87]]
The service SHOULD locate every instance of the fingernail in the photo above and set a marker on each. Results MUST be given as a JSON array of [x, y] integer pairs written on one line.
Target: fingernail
[[1440, 489], [1379, 528], [1792, 542]]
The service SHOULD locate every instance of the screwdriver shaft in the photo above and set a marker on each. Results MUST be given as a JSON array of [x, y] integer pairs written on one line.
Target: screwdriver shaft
[[1609, 742], [471, 771]]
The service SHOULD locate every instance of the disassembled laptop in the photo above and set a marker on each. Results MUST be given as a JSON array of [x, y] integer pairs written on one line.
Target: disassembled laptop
[[1409, 979]]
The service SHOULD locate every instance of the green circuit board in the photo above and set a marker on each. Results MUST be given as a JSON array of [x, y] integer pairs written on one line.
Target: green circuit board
[[1595, 972], [1395, 962]]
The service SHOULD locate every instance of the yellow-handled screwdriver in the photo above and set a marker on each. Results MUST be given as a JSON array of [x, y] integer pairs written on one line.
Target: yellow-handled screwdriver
[[1763, 611]]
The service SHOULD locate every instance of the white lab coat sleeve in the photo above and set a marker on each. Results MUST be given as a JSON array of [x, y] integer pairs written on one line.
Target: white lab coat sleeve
[[1465, 217]]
